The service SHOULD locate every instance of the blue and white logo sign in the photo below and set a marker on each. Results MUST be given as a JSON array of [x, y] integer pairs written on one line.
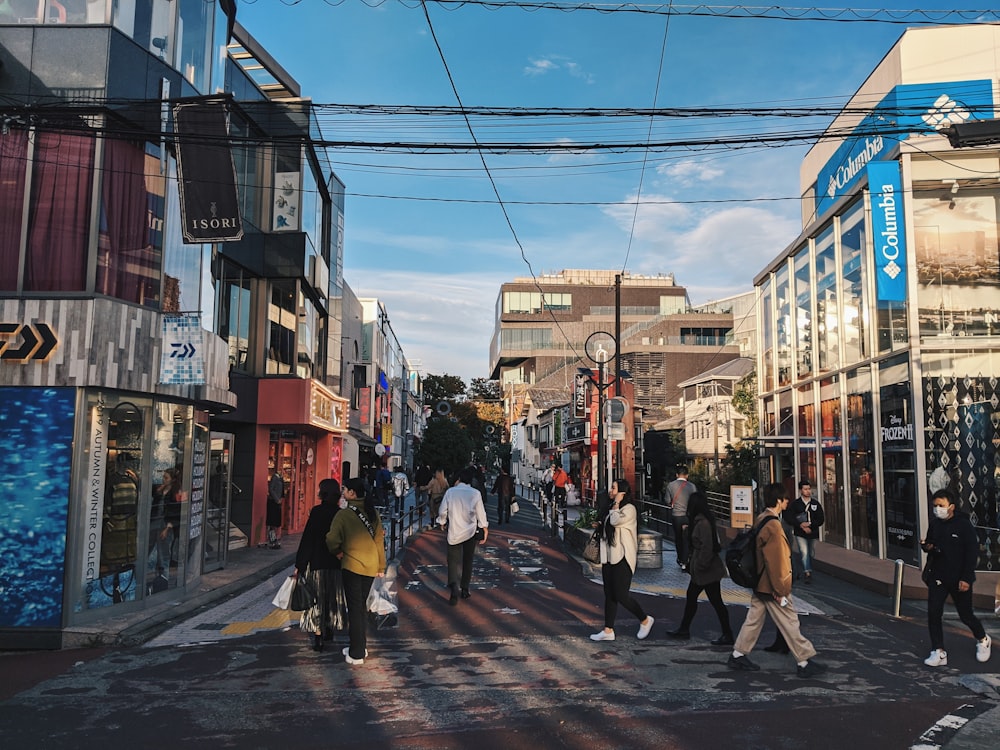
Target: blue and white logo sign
[[888, 231], [915, 108], [182, 361]]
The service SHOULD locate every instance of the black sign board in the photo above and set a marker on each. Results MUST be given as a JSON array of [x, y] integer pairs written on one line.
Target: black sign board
[[576, 431], [210, 207]]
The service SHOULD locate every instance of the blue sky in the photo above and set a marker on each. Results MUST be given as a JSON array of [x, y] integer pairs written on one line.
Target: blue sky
[[438, 264]]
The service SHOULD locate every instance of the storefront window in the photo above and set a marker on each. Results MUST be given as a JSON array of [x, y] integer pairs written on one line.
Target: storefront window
[[852, 243], [783, 325], [114, 485], [807, 433], [766, 337], [861, 461], [195, 54], [962, 430], [786, 414], [169, 516], [186, 278], [832, 469], [827, 315], [898, 466], [957, 259], [803, 313]]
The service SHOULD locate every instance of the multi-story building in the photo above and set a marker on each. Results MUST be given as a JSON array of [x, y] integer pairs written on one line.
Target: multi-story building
[[159, 351], [542, 325], [878, 371]]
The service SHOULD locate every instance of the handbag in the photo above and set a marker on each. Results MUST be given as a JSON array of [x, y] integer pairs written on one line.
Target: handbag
[[514, 507], [303, 595], [480, 534], [284, 596], [592, 549]]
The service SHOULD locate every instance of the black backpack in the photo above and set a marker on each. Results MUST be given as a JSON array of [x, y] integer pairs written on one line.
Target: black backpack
[[741, 556]]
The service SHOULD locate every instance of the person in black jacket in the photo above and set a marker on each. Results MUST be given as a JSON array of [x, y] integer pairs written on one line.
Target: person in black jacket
[[805, 516], [315, 561], [952, 548]]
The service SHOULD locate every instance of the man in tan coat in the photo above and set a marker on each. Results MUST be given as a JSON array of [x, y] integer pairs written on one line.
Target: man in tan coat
[[773, 593]]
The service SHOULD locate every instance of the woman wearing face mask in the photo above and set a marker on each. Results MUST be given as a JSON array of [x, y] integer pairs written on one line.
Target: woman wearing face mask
[[314, 560], [952, 548]]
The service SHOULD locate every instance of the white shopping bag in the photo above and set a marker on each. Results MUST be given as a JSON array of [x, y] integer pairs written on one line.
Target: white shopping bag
[[382, 599], [284, 596]]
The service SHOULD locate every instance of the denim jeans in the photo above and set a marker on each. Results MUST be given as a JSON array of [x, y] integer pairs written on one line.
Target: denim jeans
[[806, 549]]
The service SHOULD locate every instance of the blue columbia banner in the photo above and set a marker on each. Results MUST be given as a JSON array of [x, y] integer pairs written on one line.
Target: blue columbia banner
[[888, 231], [913, 109]]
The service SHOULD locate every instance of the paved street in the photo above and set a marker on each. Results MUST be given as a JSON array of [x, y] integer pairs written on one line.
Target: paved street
[[512, 667]]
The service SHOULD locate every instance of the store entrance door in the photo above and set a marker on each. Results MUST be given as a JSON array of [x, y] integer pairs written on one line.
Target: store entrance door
[[217, 501]]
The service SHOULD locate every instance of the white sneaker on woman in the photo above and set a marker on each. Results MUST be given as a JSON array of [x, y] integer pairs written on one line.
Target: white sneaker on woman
[[645, 628], [603, 635], [938, 658], [983, 648]]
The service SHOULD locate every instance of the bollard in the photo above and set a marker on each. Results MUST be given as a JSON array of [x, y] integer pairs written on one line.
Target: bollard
[[897, 587]]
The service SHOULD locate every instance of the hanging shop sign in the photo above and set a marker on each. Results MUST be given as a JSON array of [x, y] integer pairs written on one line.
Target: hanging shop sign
[[210, 204], [182, 360], [888, 231]]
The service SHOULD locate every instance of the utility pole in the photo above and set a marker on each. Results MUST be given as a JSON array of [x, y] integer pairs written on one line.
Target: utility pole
[[618, 364]]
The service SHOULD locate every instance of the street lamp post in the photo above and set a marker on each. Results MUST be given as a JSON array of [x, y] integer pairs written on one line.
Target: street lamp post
[[600, 348]]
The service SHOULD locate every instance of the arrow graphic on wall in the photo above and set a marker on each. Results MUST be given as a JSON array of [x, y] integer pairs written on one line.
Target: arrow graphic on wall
[[182, 350], [26, 341]]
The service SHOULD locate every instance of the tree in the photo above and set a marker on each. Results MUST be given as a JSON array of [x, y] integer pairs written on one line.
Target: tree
[[745, 401], [445, 445], [445, 387], [482, 389]]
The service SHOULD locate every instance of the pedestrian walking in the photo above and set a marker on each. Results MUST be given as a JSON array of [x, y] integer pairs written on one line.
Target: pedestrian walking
[[952, 548], [773, 593], [436, 489], [706, 569], [357, 539], [275, 496], [679, 491], [618, 530], [422, 480], [400, 486], [463, 514], [314, 561], [503, 487], [805, 516]]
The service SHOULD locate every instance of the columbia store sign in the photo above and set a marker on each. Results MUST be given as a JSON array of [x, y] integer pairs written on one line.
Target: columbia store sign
[[907, 109], [888, 231]]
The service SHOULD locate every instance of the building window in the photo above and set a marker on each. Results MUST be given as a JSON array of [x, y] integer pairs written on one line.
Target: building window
[[234, 314], [766, 337], [530, 303], [13, 162], [861, 461], [525, 339], [852, 243], [832, 467], [958, 262], [282, 317], [827, 315], [130, 236], [783, 328], [803, 313]]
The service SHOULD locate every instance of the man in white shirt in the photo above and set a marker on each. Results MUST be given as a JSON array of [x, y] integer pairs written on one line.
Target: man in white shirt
[[463, 513], [400, 486]]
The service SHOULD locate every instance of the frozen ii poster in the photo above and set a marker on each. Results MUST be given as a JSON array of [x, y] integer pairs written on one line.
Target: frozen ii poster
[[36, 438]]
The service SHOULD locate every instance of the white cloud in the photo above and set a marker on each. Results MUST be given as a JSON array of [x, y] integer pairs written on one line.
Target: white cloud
[[551, 63], [689, 172], [444, 321], [656, 215]]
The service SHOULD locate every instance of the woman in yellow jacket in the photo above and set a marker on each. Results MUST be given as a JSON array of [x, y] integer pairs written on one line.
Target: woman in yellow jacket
[[356, 537]]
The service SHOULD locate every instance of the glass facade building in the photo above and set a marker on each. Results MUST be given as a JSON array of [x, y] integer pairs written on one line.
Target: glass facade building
[[879, 372]]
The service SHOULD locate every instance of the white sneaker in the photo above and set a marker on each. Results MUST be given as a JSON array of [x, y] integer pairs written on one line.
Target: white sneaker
[[347, 651], [602, 635], [354, 661], [983, 649], [938, 658], [644, 629]]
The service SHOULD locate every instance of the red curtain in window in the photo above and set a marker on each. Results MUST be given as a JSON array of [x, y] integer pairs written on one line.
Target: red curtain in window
[[59, 221], [124, 234], [13, 156]]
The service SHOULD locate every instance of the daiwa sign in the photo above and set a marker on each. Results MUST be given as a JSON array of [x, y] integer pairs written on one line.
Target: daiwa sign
[[915, 108]]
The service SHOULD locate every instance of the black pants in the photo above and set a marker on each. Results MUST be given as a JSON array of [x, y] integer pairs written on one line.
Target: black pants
[[560, 496], [936, 596], [503, 509], [460, 558], [680, 538], [617, 582], [356, 589], [714, 592]]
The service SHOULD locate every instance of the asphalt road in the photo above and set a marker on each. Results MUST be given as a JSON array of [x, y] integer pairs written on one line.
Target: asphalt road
[[512, 667]]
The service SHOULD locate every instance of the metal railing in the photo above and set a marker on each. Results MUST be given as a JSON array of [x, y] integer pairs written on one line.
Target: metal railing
[[657, 516], [401, 525], [553, 517]]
